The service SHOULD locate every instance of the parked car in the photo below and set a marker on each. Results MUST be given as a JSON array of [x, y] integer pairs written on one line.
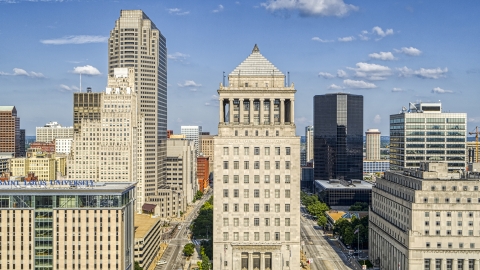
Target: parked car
[[161, 262]]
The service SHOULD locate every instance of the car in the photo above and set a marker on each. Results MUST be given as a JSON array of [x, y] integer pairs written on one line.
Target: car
[[161, 262]]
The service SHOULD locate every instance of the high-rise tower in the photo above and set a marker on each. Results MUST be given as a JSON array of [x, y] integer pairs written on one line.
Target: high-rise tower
[[257, 171], [135, 42], [11, 136], [372, 144], [338, 136], [309, 143]]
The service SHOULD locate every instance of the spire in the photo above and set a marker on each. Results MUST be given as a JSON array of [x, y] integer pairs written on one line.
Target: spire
[[255, 49]]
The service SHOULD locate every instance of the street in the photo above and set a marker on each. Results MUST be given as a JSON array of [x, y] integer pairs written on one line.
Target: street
[[324, 255], [173, 254]]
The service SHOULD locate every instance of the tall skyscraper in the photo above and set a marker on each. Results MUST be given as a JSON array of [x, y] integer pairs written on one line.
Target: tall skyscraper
[[372, 144], [10, 133], [423, 133], [193, 133], [338, 136], [309, 143], [257, 171], [86, 106], [135, 42]]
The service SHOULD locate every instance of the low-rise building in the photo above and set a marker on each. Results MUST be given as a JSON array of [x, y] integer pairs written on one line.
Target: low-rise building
[[43, 165], [52, 131], [148, 235], [335, 192], [47, 147], [425, 218], [373, 166], [5, 160], [63, 145]]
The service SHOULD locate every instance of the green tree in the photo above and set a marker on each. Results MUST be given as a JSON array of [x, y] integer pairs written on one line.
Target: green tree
[[189, 249], [348, 236], [317, 209], [137, 266], [205, 263], [322, 221]]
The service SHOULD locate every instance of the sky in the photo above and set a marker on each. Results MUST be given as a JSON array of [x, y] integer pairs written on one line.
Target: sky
[[391, 52]]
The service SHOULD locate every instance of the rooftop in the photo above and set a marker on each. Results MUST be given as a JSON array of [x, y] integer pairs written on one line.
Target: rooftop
[[6, 108], [57, 187], [143, 224], [256, 65], [338, 184]]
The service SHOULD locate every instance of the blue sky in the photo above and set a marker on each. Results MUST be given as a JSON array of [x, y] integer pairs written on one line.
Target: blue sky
[[392, 52]]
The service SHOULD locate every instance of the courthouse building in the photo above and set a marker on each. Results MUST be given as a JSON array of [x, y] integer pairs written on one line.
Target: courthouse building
[[257, 173]]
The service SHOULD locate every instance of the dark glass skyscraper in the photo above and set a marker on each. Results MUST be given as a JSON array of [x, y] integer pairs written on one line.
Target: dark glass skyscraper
[[338, 136]]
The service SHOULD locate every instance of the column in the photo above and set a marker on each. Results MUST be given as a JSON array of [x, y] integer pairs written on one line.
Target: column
[[272, 102], [250, 114], [475, 265], [222, 111], [444, 264], [230, 111], [292, 111], [454, 264], [241, 111], [261, 111], [250, 260], [432, 264], [282, 111], [262, 260]]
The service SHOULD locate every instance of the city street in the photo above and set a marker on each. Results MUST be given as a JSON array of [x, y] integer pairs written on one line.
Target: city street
[[173, 254], [324, 256]]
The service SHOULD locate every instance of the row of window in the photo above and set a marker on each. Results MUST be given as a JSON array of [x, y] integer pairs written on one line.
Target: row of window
[[256, 179], [449, 232], [447, 200], [455, 188], [256, 222], [256, 151], [256, 165], [277, 133], [256, 193], [256, 207], [256, 236], [449, 245], [449, 214], [461, 264]]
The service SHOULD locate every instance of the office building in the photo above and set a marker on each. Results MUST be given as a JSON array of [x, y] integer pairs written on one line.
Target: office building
[[47, 147], [374, 166], [425, 218], [4, 161], [473, 155], [337, 192], [148, 236], [307, 180], [207, 149], [257, 156], [43, 165], [338, 136], [11, 140], [66, 225], [52, 131], [63, 145], [309, 143], [203, 173], [135, 42], [193, 133], [372, 144], [86, 107], [425, 133]]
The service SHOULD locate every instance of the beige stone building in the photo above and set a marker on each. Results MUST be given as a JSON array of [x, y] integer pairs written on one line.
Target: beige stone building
[[148, 236], [182, 169], [372, 144], [426, 218], [257, 171], [52, 131], [207, 149], [66, 225], [43, 165]]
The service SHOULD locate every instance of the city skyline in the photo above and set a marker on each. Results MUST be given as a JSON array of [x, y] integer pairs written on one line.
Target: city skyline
[[426, 50]]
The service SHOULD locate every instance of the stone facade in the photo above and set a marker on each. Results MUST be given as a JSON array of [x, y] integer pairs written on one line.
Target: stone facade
[[257, 171]]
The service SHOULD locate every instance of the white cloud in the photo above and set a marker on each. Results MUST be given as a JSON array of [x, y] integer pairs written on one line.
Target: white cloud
[[396, 89], [214, 97], [379, 32], [23, 72], [364, 35], [382, 56], [424, 73], [219, 9], [178, 56], [177, 11], [69, 88], [473, 120], [341, 74], [438, 90], [81, 39], [189, 83], [86, 70], [325, 75], [335, 87], [346, 39], [358, 84], [371, 71], [377, 119], [409, 51], [311, 7], [321, 40]]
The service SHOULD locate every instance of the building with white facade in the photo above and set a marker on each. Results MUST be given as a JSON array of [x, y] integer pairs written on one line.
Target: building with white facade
[[193, 133], [425, 133], [309, 143], [257, 156], [52, 131], [425, 218], [63, 145], [372, 144], [182, 169]]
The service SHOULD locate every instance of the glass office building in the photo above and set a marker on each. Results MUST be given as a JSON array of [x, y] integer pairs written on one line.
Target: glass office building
[[338, 136]]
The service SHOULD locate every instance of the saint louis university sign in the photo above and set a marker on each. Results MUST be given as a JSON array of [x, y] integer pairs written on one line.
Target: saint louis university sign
[[50, 182]]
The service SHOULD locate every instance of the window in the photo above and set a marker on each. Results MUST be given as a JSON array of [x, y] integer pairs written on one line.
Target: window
[[459, 214], [449, 223], [266, 133], [277, 179], [447, 200], [246, 133], [287, 151], [225, 179], [267, 165], [256, 236], [277, 236], [277, 133], [457, 200], [225, 151], [437, 214], [287, 222], [449, 214], [225, 193], [470, 232], [256, 132], [444, 188], [469, 200], [246, 222], [246, 179], [287, 236], [225, 221], [427, 214], [225, 207], [460, 245], [245, 193], [246, 165], [287, 179], [427, 232], [439, 245], [235, 193], [235, 179], [246, 151], [425, 200], [277, 208], [225, 236], [277, 193], [470, 214], [459, 223], [437, 223], [225, 165], [256, 165], [287, 165], [427, 223], [267, 193], [267, 222], [433, 188], [236, 132], [246, 207], [437, 232], [472, 245], [256, 222], [267, 151], [277, 151], [449, 232], [267, 178], [267, 207], [267, 236], [235, 222], [287, 207], [277, 165], [256, 179], [277, 222], [245, 236], [459, 232], [287, 193], [256, 193], [235, 151], [470, 223], [427, 244], [235, 236], [236, 165], [256, 151], [256, 207]]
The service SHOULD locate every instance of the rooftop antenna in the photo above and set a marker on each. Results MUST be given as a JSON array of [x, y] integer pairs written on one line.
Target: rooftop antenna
[[224, 78], [288, 77], [80, 82]]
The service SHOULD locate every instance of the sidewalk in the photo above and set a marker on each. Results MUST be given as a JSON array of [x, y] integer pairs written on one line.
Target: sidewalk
[[163, 247], [303, 261]]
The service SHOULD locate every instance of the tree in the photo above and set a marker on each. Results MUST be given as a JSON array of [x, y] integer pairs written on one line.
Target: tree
[[322, 221], [317, 209], [205, 263], [189, 249], [348, 236], [137, 266], [359, 206]]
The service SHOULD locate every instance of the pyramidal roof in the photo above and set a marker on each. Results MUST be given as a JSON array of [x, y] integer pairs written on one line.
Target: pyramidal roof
[[256, 65]]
